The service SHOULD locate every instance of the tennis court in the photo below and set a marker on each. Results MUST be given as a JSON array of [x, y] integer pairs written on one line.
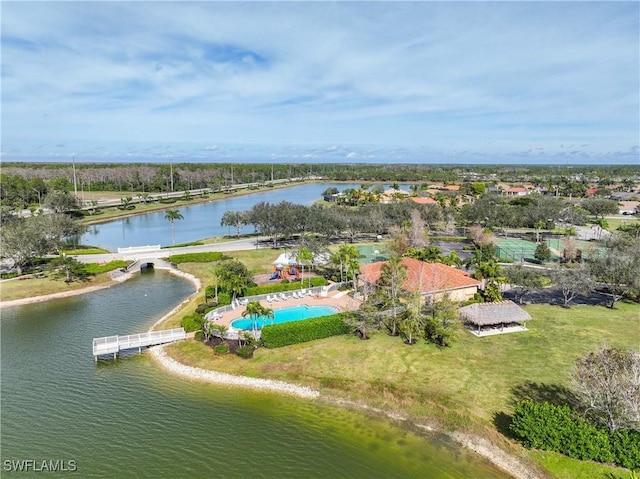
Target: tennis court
[[588, 249], [517, 250], [372, 253]]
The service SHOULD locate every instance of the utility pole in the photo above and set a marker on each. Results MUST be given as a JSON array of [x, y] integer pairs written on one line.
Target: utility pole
[[171, 168], [75, 181]]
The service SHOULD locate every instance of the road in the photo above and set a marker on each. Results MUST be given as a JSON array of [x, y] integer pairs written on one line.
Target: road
[[233, 245]]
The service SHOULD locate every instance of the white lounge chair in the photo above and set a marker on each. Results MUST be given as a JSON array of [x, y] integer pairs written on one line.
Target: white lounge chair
[[309, 292], [268, 298], [294, 295], [283, 297]]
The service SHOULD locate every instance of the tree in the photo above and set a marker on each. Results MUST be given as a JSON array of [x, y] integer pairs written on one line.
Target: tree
[[526, 279], [304, 258], [61, 202], [572, 281], [600, 206], [428, 254], [442, 321], [617, 267], [235, 219], [542, 253], [417, 231], [347, 257], [255, 310], [365, 320], [412, 322], [172, 216], [68, 268], [393, 273], [233, 276], [606, 384], [24, 239]]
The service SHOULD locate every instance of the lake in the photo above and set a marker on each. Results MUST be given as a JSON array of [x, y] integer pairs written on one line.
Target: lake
[[129, 418]]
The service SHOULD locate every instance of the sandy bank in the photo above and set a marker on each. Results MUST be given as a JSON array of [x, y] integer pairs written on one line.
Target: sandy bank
[[215, 377]]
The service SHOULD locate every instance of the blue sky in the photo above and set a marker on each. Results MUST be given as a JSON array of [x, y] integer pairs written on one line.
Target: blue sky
[[461, 82]]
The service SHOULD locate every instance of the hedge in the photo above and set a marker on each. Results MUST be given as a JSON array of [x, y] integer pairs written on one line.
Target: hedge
[[196, 257], [554, 428], [95, 268], [283, 287], [285, 334]]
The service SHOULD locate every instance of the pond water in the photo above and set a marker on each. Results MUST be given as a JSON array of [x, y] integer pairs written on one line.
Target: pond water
[[128, 418], [200, 221]]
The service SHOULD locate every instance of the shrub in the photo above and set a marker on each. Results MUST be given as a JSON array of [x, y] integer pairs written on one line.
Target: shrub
[[224, 298], [221, 349], [283, 286], [204, 308], [554, 428], [285, 334], [193, 322], [245, 351], [196, 257], [95, 268], [199, 336], [625, 445]]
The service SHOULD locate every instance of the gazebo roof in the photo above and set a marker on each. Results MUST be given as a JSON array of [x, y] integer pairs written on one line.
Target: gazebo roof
[[489, 314]]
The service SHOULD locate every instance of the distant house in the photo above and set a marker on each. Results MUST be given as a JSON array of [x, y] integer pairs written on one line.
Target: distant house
[[629, 207], [429, 279], [393, 194], [484, 319], [591, 191], [451, 188], [423, 201], [517, 191]]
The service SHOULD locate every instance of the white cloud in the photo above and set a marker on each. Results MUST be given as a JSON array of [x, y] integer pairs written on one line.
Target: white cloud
[[480, 77]]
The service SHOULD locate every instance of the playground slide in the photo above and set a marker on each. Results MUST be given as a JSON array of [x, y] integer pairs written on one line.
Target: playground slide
[[275, 275]]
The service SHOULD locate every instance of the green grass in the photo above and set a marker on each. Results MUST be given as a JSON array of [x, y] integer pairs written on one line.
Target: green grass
[[466, 386], [18, 289], [562, 467]]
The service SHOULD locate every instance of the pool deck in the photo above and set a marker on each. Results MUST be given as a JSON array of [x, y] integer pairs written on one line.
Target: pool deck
[[338, 299]]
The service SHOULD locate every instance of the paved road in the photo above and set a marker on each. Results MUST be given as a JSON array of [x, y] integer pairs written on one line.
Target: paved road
[[233, 245]]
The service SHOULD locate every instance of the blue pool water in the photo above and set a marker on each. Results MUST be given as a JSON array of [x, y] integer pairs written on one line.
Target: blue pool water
[[286, 315]]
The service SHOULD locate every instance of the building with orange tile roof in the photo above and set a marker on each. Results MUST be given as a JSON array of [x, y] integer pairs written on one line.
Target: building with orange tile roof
[[423, 201], [430, 279]]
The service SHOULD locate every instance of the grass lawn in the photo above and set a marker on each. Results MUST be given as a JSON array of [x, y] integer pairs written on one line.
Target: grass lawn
[[470, 384], [27, 288]]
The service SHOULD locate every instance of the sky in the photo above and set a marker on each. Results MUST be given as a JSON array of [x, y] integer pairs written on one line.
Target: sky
[[375, 82]]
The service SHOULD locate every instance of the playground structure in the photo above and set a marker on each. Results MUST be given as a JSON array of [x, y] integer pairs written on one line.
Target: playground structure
[[289, 272]]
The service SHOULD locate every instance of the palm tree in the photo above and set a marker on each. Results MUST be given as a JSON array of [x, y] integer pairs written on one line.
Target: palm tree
[[255, 310], [172, 216]]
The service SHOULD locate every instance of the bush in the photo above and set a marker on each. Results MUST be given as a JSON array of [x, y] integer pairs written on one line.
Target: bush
[[193, 322], [224, 298], [554, 428], [196, 257], [199, 336], [221, 349], [284, 286], [285, 334], [204, 308], [245, 351], [625, 445]]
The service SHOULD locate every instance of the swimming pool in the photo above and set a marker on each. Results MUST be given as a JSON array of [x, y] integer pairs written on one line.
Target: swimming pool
[[285, 315]]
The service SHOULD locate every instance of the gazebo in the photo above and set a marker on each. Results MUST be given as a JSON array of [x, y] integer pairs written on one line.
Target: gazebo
[[484, 319]]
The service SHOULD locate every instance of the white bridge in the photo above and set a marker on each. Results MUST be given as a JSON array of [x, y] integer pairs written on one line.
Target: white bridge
[[115, 344], [139, 249]]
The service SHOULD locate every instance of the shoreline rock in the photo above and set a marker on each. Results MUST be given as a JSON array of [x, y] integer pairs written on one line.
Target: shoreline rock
[[198, 374]]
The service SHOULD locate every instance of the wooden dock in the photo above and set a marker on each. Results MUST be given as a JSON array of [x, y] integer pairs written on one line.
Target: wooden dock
[[115, 344]]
